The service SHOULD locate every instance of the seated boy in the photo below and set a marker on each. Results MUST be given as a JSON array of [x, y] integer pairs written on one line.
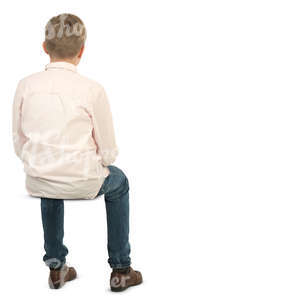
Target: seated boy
[[63, 133]]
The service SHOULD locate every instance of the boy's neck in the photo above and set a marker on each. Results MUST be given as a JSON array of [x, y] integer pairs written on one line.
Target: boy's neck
[[70, 61]]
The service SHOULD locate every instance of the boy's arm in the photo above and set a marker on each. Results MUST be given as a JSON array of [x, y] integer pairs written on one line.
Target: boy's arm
[[19, 138], [103, 132]]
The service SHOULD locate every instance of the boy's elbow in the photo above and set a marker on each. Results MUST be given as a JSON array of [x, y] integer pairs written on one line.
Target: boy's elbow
[[18, 151], [109, 157], [107, 163]]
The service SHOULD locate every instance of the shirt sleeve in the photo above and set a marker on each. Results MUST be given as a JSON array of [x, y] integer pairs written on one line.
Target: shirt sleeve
[[19, 138], [103, 131]]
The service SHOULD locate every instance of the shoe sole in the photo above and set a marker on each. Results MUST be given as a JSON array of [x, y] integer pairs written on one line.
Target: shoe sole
[[56, 286], [121, 289]]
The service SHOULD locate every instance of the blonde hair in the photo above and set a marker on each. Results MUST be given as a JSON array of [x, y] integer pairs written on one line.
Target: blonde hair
[[65, 34]]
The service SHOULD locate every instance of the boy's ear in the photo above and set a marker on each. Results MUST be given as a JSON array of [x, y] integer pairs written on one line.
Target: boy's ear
[[81, 51], [44, 47]]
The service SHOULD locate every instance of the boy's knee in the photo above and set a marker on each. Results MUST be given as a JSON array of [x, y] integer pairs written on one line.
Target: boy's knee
[[123, 184], [48, 203], [115, 171]]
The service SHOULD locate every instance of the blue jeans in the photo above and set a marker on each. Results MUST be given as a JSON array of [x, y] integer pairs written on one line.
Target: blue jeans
[[116, 195]]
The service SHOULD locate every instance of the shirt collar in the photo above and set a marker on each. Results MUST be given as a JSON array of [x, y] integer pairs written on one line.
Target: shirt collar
[[61, 65]]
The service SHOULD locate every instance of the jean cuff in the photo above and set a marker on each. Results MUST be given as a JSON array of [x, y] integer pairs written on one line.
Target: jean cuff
[[119, 266]]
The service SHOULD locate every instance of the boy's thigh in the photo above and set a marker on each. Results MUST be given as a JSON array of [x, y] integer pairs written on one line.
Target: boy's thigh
[[113, 181]]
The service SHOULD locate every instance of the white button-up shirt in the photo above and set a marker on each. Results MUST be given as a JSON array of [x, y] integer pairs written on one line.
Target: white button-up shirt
[[63, 133]]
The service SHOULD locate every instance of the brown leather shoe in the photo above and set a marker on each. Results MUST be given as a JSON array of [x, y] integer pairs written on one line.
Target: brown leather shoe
[[58, 278], [121, 281]]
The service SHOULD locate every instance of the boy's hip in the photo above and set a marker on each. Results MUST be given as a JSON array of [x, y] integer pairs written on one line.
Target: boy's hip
[[80, 189]]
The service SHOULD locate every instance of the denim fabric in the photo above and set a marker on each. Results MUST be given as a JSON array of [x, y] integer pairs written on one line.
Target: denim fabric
[[53, 225], [116, 195]]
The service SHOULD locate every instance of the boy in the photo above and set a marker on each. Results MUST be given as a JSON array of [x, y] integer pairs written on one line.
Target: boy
[[63, 133]]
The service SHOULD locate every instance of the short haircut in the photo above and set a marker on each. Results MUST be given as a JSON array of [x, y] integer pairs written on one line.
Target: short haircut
[[65, 34]]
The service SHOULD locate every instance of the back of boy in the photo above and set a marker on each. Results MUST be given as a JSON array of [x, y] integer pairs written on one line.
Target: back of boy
[[67, 134], [63, 133]]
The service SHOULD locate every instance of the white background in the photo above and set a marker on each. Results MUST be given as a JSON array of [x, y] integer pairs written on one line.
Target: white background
[[205, 100]]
